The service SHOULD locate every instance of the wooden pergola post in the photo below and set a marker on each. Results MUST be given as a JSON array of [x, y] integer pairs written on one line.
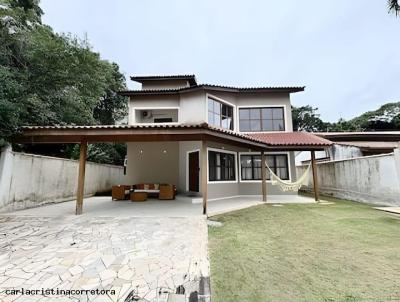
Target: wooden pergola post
[[315, 176], [81, 177], [203, 172], [263, 177]]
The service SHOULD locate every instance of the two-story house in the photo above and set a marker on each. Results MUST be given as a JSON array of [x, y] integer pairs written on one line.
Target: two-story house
[[207, 140], [231, 170]]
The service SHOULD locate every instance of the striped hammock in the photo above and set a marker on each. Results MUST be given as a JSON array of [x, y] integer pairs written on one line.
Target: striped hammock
[[289, 186]]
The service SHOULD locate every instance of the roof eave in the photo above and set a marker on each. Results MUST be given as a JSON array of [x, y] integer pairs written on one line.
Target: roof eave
[[191, 78], [213, 88]]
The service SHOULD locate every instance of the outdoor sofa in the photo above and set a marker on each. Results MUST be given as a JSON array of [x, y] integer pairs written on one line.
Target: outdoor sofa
[[160, 191]]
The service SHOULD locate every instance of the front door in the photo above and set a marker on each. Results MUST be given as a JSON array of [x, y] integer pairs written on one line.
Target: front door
[[194, 171]]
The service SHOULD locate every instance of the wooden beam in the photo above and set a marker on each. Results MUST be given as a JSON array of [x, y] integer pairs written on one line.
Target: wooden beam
[[203, 172], [93, 135], [263, 177], [81, 178], [315, 176]]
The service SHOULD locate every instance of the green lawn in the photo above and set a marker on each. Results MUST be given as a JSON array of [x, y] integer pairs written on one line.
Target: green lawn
[[340, 252]]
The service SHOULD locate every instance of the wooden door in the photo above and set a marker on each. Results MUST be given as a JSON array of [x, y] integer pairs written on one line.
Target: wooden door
[[194, 171]]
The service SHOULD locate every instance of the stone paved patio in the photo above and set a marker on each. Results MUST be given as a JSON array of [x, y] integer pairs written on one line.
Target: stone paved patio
[[152, 256], [151, 247]]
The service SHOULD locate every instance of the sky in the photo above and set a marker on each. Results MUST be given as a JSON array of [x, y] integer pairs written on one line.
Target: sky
[[345, 52]]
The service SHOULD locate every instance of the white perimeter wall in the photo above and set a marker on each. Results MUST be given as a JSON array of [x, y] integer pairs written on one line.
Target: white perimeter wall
[[28, 180], [372, 179]]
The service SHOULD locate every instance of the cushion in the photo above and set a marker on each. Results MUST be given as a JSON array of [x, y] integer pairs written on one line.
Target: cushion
[[156, 186], [147, 191], [146, 187], [140, 186]]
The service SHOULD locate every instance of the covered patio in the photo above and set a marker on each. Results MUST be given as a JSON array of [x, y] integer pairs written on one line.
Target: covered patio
[[204, 133]]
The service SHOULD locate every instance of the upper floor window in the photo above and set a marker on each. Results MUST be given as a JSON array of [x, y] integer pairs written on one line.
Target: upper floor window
[[261, 119], [220, 114]]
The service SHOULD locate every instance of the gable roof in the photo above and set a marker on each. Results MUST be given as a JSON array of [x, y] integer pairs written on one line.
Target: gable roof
[[288, 89], [290, 139], [191, 78]]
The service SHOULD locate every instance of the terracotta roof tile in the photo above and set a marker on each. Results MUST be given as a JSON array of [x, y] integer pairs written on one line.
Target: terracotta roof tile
[[291, 139]]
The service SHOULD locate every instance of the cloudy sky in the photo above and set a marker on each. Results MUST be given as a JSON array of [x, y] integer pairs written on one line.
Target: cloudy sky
[[345, 52]]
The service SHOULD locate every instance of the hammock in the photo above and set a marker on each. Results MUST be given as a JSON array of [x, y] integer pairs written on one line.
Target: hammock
[[289, 186]]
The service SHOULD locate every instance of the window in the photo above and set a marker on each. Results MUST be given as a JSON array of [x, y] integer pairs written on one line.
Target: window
[[251, 166], [221, 166], [261, 119], [220, 114]]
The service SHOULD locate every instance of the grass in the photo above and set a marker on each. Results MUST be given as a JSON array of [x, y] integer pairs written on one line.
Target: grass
[[339, 252]]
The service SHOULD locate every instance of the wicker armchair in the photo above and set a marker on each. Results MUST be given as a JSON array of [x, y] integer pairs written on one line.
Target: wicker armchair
[[120, 192], [167, 192]]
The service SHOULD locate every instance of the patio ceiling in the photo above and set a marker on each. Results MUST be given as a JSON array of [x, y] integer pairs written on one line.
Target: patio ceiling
[[135, 133], [298, 141]]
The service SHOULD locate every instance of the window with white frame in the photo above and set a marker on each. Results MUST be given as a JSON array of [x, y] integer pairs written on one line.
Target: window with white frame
[[250, 165], [221, 166], [261, 119], [220, 114]]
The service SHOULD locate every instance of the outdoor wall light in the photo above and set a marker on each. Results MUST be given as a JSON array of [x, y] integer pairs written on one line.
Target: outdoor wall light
[[141, 151], [164, 151]]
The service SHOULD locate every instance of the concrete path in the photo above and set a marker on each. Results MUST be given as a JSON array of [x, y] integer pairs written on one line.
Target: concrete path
[[182, 206], [142, 257], [394, 210]]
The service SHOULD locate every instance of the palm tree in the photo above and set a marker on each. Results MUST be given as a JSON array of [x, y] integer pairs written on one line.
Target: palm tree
[[394, 6]]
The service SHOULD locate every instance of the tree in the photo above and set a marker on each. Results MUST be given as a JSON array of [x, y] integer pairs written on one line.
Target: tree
[[385, 118], [53, 79], [305, 118], [394, 6]]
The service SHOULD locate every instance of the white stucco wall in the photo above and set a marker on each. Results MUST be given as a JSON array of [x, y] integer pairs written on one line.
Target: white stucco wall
[[147, 163], [150, 102], [152, 162], [193, 108], [255, 100], [372, 179], [336, 152], [28, 180], [184, 148], [243, 188], [192, 105], [164, 84]]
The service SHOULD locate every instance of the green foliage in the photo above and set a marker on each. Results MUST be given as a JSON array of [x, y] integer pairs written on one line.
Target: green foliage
[[305, 118], [394, 6], [52, 79], [103, 153], [386, 118]]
